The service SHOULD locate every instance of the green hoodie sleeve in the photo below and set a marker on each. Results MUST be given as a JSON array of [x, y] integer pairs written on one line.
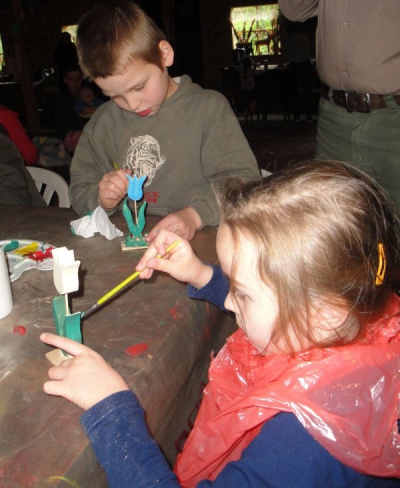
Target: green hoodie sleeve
[[90, 163]]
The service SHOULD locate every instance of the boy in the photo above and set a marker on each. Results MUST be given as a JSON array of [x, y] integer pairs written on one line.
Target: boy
[[183, 138]]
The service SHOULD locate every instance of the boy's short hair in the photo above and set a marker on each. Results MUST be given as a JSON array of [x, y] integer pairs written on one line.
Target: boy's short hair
[[112, 35]]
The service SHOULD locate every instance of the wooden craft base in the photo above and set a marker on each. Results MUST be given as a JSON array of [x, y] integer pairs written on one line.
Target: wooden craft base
[[56, 357], [124, 247]]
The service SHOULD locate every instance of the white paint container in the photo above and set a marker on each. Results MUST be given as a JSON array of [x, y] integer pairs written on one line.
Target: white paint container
[[6, 301]]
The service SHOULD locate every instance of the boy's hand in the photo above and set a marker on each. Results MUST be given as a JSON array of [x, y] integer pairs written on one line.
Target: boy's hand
[[184, 223], [112, 189], [85, 379], [89, 110], [183, 264]]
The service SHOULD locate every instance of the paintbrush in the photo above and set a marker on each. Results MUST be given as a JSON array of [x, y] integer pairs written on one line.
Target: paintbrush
[[119, 287]]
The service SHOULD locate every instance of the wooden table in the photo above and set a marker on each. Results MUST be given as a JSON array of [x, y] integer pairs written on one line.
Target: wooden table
[[41, 440]]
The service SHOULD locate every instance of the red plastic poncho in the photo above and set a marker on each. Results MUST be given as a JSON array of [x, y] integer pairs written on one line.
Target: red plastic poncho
[[346, 397]]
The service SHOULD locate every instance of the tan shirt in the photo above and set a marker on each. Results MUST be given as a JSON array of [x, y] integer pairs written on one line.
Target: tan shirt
[[358, 42]]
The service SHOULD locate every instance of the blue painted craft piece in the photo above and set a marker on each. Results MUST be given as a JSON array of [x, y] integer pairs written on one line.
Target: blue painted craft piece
[[135, 225], [135, 187]]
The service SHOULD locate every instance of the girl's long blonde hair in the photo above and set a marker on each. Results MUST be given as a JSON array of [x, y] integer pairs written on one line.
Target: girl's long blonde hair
[[320, 228]]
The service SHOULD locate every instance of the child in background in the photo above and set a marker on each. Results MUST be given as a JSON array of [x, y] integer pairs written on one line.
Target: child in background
[[87, 103], [184, 139], [306, 392], [69, 125]]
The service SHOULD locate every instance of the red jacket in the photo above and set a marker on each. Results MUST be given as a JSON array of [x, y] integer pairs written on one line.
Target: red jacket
[[16, 132]]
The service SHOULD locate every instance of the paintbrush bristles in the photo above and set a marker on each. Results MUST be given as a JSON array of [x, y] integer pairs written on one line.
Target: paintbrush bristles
[[89, 311]]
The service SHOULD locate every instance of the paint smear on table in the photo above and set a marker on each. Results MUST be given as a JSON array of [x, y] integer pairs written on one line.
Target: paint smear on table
[[136, 349], [19, 329], [69, 482], [175, 312]]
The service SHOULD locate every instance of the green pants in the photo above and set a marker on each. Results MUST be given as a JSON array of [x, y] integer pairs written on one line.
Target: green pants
[[370, 142]]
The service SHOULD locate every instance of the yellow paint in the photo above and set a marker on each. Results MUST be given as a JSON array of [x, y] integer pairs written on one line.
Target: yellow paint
[[72, 483], [34, 246]]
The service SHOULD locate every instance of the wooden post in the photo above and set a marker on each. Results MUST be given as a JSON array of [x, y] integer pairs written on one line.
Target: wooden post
[[24, 70]]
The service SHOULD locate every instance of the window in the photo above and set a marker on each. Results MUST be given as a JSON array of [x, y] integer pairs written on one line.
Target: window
[[71, 29], [1, 56], [256, 29]]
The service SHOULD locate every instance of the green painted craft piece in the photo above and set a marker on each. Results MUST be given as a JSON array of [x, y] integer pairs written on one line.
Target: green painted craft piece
[[135, 238], [67, 324], [11, 246]]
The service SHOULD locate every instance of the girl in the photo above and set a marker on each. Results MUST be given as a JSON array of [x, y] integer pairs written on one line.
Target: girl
[[306, 392]]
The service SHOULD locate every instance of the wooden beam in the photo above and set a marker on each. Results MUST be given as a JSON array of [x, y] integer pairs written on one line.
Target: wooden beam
[[24, 70]]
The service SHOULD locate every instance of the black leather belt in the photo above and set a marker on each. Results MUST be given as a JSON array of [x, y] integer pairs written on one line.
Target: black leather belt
[[357, 102]]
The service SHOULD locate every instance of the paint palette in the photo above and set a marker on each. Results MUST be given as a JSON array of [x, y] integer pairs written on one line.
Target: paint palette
[[23, 255]]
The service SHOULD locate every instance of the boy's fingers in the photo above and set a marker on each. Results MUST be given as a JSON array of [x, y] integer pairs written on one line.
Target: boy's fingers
[[72, 347]]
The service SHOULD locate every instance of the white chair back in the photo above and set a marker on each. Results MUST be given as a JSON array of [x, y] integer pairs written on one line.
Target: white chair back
[[48, 183]]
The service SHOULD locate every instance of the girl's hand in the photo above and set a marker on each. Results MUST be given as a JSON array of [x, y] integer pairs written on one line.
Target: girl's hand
[[182, 264], [86, 379]]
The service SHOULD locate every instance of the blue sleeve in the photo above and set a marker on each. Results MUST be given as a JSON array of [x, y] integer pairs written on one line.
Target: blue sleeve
[[283, 455], [215, 291], [119, 436]]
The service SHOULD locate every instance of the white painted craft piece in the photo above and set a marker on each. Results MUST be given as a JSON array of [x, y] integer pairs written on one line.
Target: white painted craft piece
[[65, 272]]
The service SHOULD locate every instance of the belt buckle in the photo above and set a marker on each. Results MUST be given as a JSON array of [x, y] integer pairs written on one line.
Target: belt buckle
[[367, 101]]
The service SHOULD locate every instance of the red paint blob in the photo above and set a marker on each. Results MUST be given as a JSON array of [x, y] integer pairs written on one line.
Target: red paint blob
[[19, 329], [136, 349], [174, 312]]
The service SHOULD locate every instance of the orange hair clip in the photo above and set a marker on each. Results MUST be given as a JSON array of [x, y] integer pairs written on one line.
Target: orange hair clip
[[380, 274]]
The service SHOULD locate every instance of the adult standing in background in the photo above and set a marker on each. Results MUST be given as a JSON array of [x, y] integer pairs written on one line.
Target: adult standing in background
[[65, 55], [296, 53], [358, 62]]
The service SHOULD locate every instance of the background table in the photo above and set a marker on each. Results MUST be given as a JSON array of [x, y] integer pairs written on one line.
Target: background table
[[41, 439]]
